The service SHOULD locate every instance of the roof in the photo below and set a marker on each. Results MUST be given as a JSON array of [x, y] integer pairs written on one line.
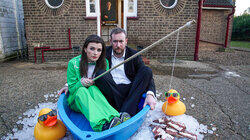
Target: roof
[[217, 3]]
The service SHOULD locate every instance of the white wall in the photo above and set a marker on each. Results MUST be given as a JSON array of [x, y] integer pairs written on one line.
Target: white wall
[[11, 26]]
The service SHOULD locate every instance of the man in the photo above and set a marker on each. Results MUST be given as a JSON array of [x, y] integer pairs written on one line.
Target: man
[[123, 87]]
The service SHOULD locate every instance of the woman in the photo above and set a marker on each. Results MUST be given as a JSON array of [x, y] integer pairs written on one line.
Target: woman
[[84, 96]]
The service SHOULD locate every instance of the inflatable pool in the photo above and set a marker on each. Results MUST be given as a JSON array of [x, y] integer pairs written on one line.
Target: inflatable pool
[[80, 127]]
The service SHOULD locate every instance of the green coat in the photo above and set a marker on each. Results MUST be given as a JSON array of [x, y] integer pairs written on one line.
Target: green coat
[[89, 101]]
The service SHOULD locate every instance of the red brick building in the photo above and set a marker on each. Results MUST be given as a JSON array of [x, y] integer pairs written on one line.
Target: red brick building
[[216, 24], [56, 29]]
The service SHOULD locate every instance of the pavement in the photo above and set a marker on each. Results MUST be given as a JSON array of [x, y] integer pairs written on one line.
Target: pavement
[[216, 95]]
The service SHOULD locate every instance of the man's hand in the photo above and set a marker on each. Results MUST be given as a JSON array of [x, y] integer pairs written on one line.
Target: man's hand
[[65, 90], [150, 100]]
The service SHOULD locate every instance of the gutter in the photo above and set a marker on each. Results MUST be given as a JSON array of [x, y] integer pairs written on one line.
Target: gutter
[[57, 49], [216, 8], [228, 24]]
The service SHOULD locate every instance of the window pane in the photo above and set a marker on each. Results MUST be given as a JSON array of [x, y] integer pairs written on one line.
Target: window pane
[[55, 3], [92, 8], [131, 6], [167, 3]]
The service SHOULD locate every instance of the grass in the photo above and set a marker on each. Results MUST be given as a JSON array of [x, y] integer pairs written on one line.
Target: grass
[[241, 44]]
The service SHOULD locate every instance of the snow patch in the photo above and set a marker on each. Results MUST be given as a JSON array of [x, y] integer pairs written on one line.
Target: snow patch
[[29, 121], [229, 74]]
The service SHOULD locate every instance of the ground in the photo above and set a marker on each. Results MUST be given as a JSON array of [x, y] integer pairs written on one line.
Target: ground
[[219, 85]]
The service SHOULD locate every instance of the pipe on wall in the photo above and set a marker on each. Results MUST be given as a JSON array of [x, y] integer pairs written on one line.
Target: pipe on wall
[[58, 49], [38, 48], [198, 28], [212, 42], [228, 24]]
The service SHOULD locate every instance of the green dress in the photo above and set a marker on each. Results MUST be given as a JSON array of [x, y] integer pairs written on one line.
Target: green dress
[[89, 101]]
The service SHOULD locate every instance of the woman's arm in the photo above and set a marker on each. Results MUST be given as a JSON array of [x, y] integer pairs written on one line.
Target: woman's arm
[[72, 79]]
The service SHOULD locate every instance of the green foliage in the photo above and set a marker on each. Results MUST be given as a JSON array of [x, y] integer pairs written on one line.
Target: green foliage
[[241, 28], [241, 44]]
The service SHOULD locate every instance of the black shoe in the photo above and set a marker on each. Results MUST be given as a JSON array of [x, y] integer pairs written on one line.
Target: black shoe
[[124, 116], [105, 126], [114, 122]]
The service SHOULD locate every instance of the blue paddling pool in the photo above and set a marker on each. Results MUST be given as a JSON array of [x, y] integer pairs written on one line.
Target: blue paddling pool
[[80, 127]]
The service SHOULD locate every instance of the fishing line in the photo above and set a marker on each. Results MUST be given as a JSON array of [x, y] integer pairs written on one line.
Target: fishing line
[[175, 52]]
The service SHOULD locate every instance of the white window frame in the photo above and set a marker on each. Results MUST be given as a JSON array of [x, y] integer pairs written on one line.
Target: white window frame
[[52, 7], [130, 14], [88, 13], [171, 7]]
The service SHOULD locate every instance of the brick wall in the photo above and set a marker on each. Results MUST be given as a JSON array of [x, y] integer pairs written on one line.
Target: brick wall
[[49, 28], [214, 25], [153, 24], [11, 27], [45, 27]]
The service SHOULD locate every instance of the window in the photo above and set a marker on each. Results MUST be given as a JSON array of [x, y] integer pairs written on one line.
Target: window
[[168, 4], [169, 7], [91, 8], [53, 7], [54, 4], [131, 8]]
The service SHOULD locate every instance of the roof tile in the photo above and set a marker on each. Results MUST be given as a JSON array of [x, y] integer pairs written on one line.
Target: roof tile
[[219, 2]]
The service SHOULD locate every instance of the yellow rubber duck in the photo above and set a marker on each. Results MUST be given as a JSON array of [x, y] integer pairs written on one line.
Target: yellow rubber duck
[[48, 127], [173, 106]]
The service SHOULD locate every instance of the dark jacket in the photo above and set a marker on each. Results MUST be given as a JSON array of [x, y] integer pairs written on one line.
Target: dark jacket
[[132, 66]]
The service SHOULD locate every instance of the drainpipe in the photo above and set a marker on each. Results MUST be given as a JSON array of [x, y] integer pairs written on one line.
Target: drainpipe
[[198, 30], [37, 48], [58, 49], [228, 24]]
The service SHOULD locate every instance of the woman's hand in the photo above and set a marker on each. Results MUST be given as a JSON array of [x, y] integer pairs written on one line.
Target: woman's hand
[[86, 82], [65, 89]]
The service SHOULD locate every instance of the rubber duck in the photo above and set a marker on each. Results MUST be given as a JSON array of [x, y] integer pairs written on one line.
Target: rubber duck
[[173, 106], [48, 127]]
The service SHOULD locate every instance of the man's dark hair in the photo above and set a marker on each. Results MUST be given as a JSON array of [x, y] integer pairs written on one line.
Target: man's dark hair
[[100, 63], [117, 30]]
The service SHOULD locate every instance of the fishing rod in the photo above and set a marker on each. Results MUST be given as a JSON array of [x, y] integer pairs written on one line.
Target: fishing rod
[[188, 24]]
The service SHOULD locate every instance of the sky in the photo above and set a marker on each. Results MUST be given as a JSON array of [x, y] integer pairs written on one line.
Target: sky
[[241, 6]]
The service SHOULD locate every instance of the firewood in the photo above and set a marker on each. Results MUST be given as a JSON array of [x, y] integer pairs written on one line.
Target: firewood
[[160, 133]]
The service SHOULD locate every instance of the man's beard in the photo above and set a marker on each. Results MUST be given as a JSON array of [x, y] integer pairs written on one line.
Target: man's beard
[[118, 53]]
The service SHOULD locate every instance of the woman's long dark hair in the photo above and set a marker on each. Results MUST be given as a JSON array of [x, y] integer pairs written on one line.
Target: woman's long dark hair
[[100, 63]]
